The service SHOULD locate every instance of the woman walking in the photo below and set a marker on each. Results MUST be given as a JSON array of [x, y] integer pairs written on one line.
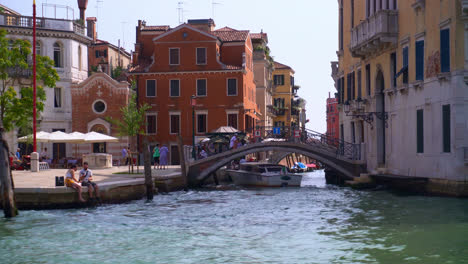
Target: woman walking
[[163, 152], [156, 156]]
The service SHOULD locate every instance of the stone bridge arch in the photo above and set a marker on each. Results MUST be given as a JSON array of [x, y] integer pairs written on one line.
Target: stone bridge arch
[[202, 169]]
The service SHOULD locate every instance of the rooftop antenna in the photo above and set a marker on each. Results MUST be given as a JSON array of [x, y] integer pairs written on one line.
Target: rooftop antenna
[[97, 13], [123, 33], [180, 10], [213, 5]]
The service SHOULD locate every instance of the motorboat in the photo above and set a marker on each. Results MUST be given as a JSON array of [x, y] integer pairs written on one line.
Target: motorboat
[[299, 167], [264, 175]]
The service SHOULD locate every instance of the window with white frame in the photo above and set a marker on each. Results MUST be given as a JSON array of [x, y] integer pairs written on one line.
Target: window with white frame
[[57, 97], [58, 55], [174, 123], [151, 123], [38, 47], [150, 88], [201, 87], [202, 122], [174, 88], [231, 87], [174, 56], [201, 56]]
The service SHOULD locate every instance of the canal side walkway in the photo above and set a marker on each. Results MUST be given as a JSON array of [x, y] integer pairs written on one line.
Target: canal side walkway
[[37, 190]]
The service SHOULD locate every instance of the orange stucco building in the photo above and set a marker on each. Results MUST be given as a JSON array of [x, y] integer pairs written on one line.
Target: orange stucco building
[[172, 65]]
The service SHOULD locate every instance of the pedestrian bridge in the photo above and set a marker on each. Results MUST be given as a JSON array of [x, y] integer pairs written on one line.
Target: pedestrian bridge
[[343, 157]]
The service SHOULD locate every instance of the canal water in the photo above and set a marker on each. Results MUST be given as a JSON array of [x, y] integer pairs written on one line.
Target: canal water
[[316, 223]]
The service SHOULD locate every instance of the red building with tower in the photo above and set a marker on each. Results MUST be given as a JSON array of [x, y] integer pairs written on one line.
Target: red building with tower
[[333, 118], [173, 64]]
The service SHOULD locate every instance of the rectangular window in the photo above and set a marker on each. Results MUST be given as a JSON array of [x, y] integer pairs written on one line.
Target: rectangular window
[[278, 79], [175, 88], [420, 60], [151, 124], [341, 29], [150, 88], [393, 69], [232, 120], [353, 86], [232, 87], [352, 13], [353, 133], [174, 56], [175, 123], [201, 56], [348, 87], [368, 80], [201, 123], [292, 81], [201, 87], [405, 65], [446, 127], [57, 97], [359, 83], [445, 50], [420, 131]]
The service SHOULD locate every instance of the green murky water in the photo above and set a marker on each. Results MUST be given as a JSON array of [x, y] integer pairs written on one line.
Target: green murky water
[[317, 223]]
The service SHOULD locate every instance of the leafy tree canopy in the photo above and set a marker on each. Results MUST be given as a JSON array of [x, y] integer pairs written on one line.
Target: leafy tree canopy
[[16, 110]]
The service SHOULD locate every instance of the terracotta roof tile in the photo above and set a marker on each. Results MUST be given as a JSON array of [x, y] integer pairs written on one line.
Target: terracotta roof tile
[[281, 66], [259, 36], [231, 35]]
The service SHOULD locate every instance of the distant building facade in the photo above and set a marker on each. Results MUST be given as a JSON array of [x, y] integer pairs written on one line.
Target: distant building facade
[[283, 96], [263, 77], [333, 118], [174, 64], [96, 99], [65, 42], [401, 78]]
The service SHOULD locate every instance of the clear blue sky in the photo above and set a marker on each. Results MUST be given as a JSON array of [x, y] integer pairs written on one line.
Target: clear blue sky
[[302, 33]]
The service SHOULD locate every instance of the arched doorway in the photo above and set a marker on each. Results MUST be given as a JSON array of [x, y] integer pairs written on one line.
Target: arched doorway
[[380, 122], [99, 147]]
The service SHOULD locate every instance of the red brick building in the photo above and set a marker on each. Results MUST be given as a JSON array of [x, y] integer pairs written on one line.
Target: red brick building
[[333, 118], [216, 66], [93, 100]]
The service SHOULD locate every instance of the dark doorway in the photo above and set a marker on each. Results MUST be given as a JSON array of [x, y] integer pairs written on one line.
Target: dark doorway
[[380, 122], [59, 149], [175, 155]]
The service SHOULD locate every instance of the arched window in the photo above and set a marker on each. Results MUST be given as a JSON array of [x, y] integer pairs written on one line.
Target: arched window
[[58, 55], [79, 58], [38, 47]]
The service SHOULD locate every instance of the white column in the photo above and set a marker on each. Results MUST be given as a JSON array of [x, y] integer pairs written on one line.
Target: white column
[[371, 7], [379, 5]]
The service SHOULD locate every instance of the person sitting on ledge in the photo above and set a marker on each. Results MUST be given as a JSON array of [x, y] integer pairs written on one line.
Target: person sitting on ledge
[[86, 179], [71, 182]]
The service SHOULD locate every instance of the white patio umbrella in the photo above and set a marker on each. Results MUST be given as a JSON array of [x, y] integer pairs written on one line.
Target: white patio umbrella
[[62, 137], [41, 136], [95, 137], [78, 135]]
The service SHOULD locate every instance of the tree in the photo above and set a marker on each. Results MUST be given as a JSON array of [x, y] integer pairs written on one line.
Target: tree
[[131, 125], [132, 119], [16, 70]]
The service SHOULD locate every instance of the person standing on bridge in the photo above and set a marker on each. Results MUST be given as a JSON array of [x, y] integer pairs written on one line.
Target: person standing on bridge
[[232, 143]]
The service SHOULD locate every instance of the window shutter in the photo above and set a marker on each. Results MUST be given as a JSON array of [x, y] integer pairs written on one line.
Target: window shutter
[[446, 127], [445, 50], [420, 131], [97, 53], [419, 60], [405, 65]]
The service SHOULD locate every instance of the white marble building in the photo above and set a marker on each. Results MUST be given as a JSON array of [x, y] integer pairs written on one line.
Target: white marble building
[[66, 43]]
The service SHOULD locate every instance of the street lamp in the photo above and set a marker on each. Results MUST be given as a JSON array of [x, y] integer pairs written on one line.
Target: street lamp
[[193, 102], [365, 116]]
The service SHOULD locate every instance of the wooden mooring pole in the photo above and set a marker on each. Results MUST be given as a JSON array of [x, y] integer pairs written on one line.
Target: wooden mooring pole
[[148, 173], [6, 181], [183, 165]]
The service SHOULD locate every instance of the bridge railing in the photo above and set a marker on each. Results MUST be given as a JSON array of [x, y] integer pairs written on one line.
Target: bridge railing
[[318, 140]]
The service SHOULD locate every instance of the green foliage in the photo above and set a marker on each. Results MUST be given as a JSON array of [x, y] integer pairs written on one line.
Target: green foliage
[[132, 119], [79, 21], [16, 109], [117, 72]]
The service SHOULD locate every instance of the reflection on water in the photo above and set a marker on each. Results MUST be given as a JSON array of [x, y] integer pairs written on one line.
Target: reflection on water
[[316, 223]]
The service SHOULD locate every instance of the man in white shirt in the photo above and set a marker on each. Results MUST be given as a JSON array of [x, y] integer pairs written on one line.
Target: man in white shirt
[[86, 177]]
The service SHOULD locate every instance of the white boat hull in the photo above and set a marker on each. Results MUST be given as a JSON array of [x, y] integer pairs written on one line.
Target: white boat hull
[[246, 178]]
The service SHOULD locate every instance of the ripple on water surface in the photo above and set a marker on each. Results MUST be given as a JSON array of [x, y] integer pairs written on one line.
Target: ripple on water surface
[[317, 223]]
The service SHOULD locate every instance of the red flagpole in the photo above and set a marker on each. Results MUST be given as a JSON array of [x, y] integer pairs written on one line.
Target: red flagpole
[[34, 76]]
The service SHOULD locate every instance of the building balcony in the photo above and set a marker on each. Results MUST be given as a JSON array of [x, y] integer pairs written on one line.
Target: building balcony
[[42, 23], [374, 33]]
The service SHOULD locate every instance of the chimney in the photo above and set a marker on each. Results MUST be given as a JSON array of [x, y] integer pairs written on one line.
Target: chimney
[[91, 25], [206, 25], [82, 4]]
